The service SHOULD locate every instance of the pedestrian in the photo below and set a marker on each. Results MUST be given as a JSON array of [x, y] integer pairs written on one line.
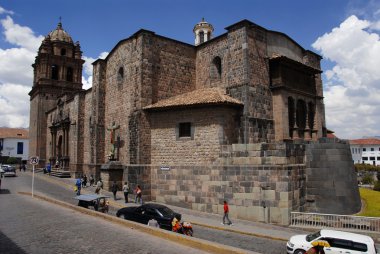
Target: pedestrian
[[114, 189], [138, 192], [126, 191], [92, 181], [23, 167], [153, 223], [84, 181], [226, 210], [318, 247], [99, 185], [20, 167], [78, 186], [48, 168]]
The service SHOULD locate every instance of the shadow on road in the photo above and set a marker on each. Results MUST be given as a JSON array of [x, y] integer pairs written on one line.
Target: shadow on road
[[8, 246], [4, 191]]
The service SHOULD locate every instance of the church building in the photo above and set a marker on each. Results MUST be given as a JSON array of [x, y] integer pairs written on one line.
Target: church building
[[228, 118]]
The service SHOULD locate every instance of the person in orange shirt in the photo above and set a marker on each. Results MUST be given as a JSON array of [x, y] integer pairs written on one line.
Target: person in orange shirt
[[226, 210]]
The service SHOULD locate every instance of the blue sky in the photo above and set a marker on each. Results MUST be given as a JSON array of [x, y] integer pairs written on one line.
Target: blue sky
[[336, 29]]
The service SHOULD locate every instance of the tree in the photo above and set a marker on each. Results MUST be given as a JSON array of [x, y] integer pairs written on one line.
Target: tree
[[12, 160], [367, 179]]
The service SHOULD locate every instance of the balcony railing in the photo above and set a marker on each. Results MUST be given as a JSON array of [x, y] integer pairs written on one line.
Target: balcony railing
[[346, 222]]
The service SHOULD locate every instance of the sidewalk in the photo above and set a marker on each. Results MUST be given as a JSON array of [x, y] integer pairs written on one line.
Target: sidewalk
[[203, 219]]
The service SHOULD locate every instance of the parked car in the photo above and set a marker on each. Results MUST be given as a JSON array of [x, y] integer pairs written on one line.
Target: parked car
[[98, 202], [339, 241], [142, 214], [8, 170]]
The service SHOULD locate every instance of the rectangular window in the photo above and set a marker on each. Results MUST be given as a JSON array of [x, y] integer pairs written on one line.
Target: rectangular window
[[184, 130], [365, 158], [372, 149], [20, 147], [364, 149], [378, 158], [371, 158]]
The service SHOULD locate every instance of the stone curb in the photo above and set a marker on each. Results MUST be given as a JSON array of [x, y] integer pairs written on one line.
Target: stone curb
[[168, 235], [115, 204]]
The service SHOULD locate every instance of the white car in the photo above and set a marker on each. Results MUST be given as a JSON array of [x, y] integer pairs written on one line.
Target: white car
[[340, 242], [8, 170]]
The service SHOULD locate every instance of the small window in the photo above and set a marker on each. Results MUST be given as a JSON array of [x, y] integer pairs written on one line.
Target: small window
[[201, 37], [63, 52], [20, 147], [372, 149], [371, 158], [69, 76], [120, 76], [216, 68], [378, 158], [365, 158], [184, 130], [364, 149], [54, 72]]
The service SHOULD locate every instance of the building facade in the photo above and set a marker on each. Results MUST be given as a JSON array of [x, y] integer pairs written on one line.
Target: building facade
[[366, 151], [14, 142], [210, 109]]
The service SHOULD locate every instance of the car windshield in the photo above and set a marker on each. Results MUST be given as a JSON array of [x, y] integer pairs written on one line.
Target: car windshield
[[313, 236], [165, 211]]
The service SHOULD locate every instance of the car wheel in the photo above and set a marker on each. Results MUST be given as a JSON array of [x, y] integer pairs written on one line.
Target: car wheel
[[299, 252]]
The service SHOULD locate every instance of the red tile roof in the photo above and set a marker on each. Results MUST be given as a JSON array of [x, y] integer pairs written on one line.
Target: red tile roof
[[365, 141], [14, 133], [205, 96]]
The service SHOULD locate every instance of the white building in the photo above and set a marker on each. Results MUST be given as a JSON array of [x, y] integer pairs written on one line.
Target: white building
[[14, 143], [366, 150]]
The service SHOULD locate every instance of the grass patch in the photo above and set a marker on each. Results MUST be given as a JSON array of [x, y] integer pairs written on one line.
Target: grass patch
[[372, 202]]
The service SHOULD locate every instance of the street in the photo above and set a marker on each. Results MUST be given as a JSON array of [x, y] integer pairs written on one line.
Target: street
[[32, 226]]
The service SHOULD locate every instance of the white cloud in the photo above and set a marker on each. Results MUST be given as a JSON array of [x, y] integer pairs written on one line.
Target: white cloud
[[16, 72], [4, 11], [352, 94], [20, 35]]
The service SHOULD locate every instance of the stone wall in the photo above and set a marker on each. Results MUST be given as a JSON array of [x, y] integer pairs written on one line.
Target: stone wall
[[212, 127], [331, 180]]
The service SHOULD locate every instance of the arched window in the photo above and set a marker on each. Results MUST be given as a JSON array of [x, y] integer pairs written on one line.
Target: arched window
[[120, 76], [216, 68], [291, 115], [311, 115], [69, 76], [63, 52], [208, 36], [54, 72], [201, 37]]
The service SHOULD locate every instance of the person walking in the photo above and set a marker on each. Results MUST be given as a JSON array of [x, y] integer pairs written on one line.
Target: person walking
[[78, 186], [126, 191], [226, 210], [138, 192], [84, 181], [99, 185], [92, 180], [114, 189]]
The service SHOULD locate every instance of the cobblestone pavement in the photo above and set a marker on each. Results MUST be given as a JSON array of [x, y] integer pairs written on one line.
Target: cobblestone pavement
[[31, 226]]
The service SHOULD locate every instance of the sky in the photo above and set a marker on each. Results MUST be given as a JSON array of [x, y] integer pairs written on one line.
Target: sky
[[344, 32]]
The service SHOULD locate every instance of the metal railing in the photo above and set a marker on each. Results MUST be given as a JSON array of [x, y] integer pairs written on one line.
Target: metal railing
[[335, 221]]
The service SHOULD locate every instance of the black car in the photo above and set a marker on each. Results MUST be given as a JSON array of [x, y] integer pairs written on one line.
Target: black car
[[142, 214]]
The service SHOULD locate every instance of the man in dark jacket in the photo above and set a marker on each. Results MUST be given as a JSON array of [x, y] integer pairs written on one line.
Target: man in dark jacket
[[114, 189]]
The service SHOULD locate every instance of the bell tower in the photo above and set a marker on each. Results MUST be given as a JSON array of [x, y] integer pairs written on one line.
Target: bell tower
[[203, 32], [57, 71]]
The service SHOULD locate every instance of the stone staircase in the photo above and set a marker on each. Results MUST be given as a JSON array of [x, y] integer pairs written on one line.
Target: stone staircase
[[60, 173]]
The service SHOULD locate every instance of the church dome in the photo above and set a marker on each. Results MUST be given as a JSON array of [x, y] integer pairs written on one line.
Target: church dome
[[60, 35], [203, 25]]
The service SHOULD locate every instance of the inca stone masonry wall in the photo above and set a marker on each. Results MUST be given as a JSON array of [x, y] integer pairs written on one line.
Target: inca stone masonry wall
[[210, 129]]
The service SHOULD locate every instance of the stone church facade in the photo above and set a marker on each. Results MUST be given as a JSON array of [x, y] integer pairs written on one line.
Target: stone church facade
[[231, 118]]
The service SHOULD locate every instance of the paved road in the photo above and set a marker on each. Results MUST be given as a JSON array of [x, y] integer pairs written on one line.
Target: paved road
[[257, 244], [31, 226]]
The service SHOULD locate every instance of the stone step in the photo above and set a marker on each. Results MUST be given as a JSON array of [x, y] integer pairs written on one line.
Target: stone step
[[60, 174]]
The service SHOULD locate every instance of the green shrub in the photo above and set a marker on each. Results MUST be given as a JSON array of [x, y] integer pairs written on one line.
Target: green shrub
[[366, 167], [12, 160], [377, 186], [367, 179]]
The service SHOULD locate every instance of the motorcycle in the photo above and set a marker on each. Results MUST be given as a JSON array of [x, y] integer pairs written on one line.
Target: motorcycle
[[184, 228]]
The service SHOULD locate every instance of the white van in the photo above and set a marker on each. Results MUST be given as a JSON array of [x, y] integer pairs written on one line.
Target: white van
[[340, 242]]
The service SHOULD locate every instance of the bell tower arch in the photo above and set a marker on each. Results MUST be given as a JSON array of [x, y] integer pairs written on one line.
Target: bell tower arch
[[203, 32], [57, 71]]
